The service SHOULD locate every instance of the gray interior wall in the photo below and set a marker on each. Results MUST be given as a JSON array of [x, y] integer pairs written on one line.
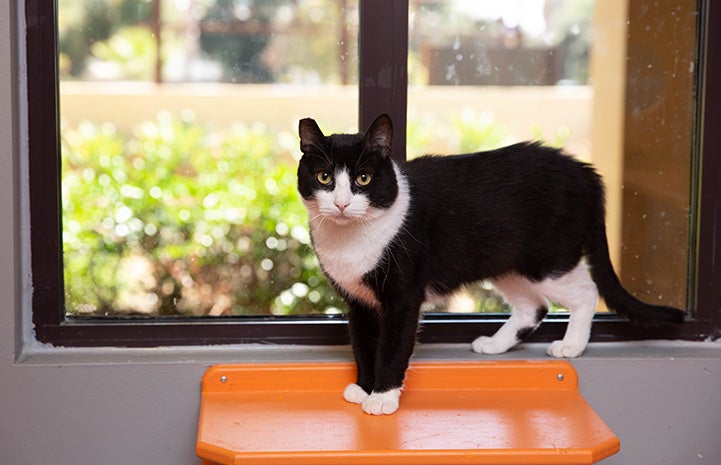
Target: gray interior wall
[[109, 406], [662, 399]]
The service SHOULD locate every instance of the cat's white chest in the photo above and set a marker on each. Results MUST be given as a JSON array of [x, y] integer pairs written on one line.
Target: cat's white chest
[[348, 252], [348, 256]]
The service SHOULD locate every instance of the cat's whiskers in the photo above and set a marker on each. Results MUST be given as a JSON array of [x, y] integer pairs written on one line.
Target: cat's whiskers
[[325, 155], [358, 165], [405, 249], [408, 232], [315, 217], [405, 230], [388, 269], [332, 146], [321, 156]]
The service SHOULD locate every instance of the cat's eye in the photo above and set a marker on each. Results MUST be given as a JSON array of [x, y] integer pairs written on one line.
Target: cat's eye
[[363, 179], [323, 177]]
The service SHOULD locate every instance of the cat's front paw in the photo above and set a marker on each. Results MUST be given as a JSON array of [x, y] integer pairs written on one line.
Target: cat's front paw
[[563, 349], [354, 394], [489, 345], [382, 403]]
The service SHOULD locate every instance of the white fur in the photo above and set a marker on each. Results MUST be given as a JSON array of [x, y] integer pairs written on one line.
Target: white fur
[[574, 290], [382, 403], [354, 394], [349, 235], [577, 292]]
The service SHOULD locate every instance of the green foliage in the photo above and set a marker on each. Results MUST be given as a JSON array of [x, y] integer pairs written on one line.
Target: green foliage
[[422, 133], [131, 50], [176, 219], [468, 132], [557, 139], [477, 132]]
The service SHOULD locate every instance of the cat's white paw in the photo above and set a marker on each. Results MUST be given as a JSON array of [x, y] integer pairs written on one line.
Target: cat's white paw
[[563, 349], [382, 403], [489, 345], [354, 394]]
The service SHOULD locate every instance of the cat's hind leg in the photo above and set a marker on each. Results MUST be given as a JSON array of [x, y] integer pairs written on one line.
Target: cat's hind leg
[[529, 309], [577, 292]]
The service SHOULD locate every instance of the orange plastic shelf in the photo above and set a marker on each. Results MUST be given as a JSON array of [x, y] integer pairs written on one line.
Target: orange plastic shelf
[[450, 413]]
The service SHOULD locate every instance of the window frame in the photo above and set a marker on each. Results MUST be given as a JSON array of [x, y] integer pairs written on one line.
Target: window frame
[[382, 22]]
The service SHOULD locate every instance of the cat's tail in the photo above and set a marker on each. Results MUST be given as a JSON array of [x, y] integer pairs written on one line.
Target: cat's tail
[[616, 297]]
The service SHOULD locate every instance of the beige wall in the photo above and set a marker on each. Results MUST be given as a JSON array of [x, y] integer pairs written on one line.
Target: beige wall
[[608, 74], [517, 109]]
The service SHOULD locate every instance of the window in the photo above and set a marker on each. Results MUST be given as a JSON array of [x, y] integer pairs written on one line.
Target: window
[[178, 188], [654, 202]]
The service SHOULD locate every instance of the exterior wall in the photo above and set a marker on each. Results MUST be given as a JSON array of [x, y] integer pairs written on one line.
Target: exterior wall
[[280, 107]]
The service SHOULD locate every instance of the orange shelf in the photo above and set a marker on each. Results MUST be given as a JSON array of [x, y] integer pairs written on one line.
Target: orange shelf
[[450, 413]]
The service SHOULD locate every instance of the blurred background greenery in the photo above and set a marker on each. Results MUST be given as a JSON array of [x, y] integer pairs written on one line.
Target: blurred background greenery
[[176, 219]]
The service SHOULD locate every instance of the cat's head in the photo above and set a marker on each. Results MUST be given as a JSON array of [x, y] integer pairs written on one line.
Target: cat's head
[[347, 178]]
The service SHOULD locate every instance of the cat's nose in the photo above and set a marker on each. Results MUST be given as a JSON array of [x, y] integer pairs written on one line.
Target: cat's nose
[[341, 205]]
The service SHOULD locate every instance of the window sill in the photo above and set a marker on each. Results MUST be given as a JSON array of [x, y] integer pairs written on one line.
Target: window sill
[[42, 354]]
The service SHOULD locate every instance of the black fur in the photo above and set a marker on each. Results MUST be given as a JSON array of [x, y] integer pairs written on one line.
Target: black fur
[[527, 209], [522, 334]]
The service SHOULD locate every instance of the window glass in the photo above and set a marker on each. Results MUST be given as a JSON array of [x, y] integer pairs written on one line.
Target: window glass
[[597, 78], [179, 146], [179, 151]]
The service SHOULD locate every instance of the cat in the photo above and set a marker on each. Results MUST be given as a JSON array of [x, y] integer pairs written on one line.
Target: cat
[[391, 235]]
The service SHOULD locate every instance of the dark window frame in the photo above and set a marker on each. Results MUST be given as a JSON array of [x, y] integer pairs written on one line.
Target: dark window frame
[[383, 84]]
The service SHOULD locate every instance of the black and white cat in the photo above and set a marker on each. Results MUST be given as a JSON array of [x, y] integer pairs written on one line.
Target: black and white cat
[[390, 236]]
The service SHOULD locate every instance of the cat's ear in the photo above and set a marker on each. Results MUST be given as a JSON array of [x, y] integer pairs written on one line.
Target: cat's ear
[[379, 136], [310, 135]]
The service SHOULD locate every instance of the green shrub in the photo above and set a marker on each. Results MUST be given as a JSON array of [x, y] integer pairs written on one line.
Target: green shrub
[[177, 220]]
